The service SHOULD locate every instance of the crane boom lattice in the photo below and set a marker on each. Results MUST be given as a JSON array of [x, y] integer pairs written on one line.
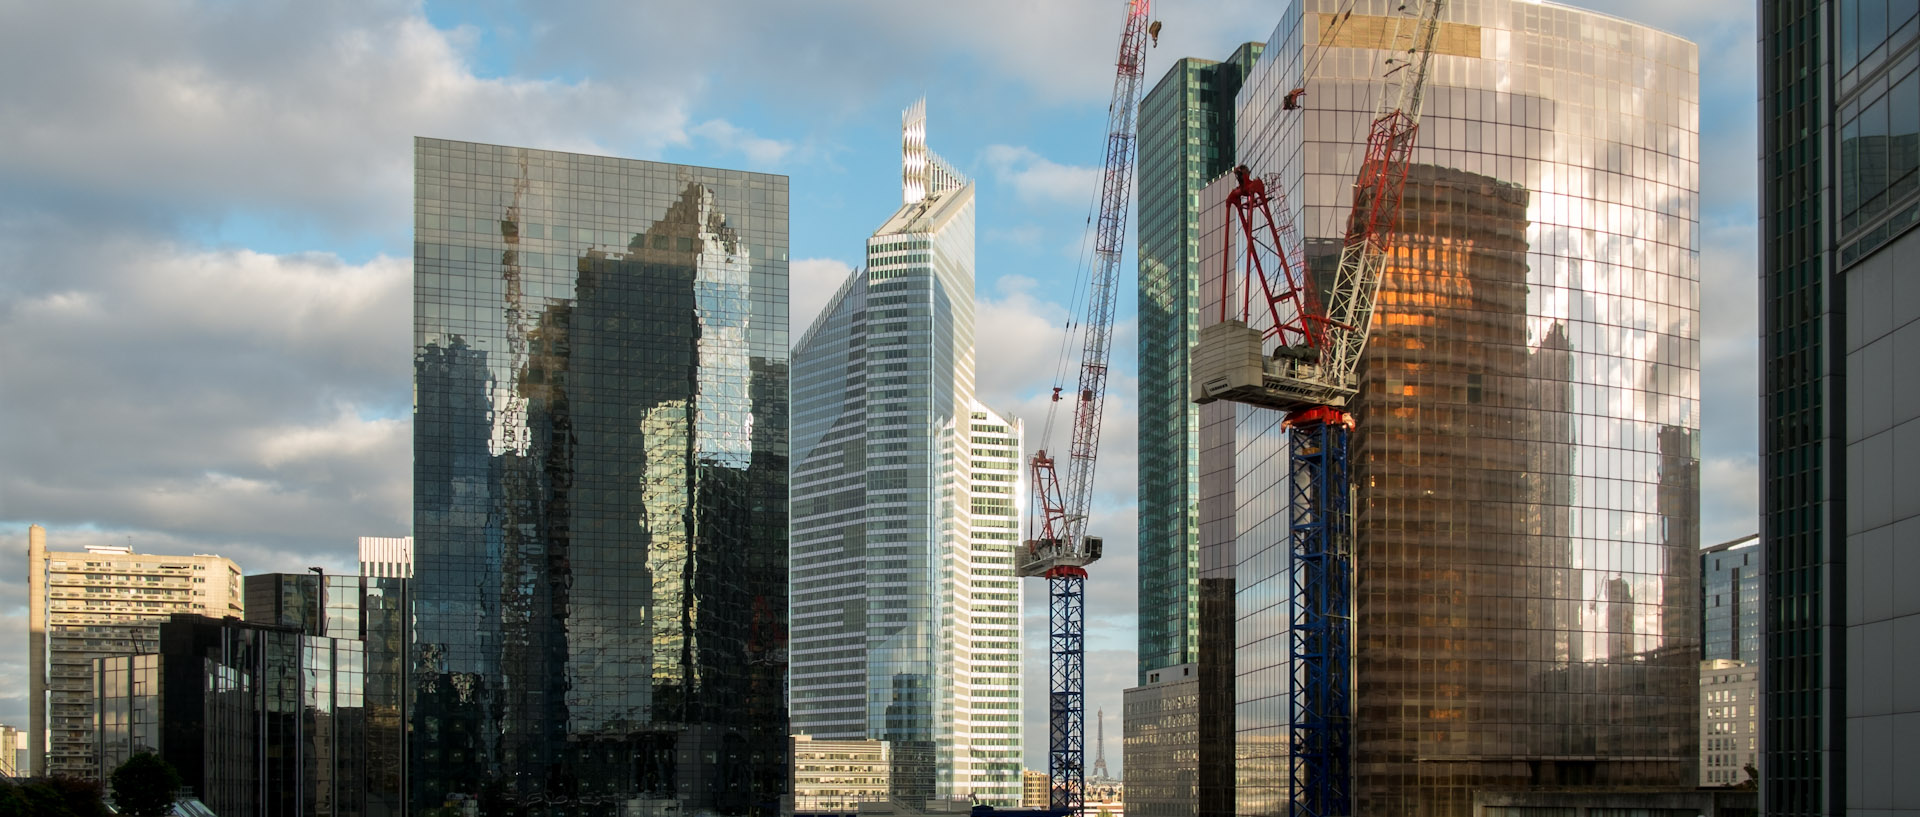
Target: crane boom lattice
[[1060, 549]]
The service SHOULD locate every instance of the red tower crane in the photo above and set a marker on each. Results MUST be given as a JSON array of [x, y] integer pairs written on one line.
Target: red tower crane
[[1311, 375], [1060, 548]]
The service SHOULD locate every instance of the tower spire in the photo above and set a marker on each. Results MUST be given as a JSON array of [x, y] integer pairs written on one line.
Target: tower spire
[[1100, 744]]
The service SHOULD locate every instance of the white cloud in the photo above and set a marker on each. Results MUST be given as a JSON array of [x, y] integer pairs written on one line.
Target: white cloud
[[728, 137], [810, 283], [1038, 180], [190, 110], [217, 396]]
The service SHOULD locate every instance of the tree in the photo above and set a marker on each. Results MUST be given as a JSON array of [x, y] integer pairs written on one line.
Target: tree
[[144, 786]]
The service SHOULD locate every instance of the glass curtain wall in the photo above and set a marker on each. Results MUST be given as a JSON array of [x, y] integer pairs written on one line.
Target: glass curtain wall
[[1526, 459]]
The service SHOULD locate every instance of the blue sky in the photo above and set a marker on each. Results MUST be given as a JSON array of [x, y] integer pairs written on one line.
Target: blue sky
[[203, 226]]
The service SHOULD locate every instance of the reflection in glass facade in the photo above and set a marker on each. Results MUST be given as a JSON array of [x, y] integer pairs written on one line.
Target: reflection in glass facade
[[1730, 600], [371, 612], [260, 720], [600, 484], [1185, 608], [907, 497], [1526, 461]]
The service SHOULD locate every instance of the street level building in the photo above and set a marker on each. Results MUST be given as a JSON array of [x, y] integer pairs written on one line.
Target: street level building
[[1526, 458], [103, 602], [1186, 133], [907, 501], [1840, 340], [259, 720], [10, 740], [600, 484]]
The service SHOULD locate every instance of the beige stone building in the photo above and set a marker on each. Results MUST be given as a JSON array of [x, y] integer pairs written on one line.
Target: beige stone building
[[101, 602], [836, 776], [1729, 721], [9, 751]]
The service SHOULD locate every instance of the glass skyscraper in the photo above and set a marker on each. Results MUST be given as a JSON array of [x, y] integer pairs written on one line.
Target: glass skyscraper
[[600, 500], [1179, 760], [1730, 574], [1525, 465], [907, 498], [1839, 197]]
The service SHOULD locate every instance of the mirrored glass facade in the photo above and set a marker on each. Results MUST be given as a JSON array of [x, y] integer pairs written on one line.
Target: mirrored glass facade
[[1526, 461], [600, 500]]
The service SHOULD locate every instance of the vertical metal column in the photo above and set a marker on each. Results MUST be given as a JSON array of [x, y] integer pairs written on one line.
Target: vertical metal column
[[1067, 680], [1321, 631]]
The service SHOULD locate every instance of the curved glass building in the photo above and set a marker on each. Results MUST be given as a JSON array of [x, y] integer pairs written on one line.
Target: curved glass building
[[1526, 462]]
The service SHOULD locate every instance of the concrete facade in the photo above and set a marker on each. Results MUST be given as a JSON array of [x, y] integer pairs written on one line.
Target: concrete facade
[[102, 602]]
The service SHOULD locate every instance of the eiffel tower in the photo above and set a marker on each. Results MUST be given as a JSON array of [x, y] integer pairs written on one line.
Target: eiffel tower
[[1100, 746]]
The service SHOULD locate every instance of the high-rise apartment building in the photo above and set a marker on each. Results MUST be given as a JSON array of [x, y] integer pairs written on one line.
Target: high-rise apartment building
[[907, 500], [103, 602], [1186, 133], [1839, 196], [1729, 722], [600, 500], [9, 751], [386, 557], [1526, 458], [1730, 574]]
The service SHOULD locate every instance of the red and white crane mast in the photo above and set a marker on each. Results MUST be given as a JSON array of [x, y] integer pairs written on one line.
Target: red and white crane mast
[[1060, 549]]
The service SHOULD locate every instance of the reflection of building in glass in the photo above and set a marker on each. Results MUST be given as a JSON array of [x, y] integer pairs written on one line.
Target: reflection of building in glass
[[1162, 725], [1525, 462], [103, 602], [1839, 200], [1186, 140], [1730, 600], [261, 720], [600, 483], [372, 611], [907, 497]]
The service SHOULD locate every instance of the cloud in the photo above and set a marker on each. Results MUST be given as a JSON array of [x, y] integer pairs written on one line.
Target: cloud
[[196, 111], [729, 138], [810, 283], [1729, 379], [1038, 180], [216, 397]]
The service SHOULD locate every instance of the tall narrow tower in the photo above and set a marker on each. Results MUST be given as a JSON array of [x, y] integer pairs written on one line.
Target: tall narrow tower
[[1100, 745]]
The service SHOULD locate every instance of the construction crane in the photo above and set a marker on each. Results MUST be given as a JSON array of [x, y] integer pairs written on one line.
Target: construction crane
[[1312, 376], [1060, 548]]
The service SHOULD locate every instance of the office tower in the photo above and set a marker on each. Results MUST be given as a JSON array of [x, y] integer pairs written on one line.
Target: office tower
[[9, 751], [1840, 140], [1730, 575], [1035, 789], [386, 556], [600, 499], [1729, 721], [1186, 133], [372, 612], [1526, 458], [907, 497], [260, 720], [836, 776], [105, 601]]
